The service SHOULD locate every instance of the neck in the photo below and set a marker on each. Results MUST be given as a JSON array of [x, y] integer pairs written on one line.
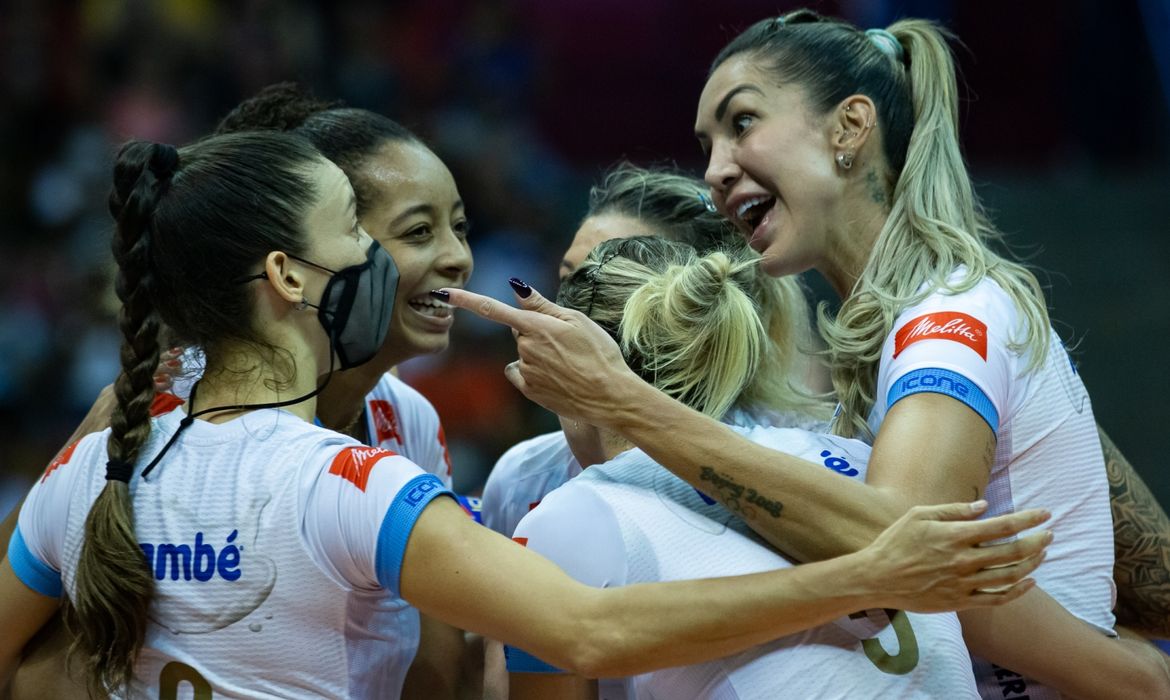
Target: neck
[[243, 378], [342, 401], [851, 243]]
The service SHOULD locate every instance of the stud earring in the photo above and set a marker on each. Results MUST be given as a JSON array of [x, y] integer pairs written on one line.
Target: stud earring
[[845, 160], [304, 303]]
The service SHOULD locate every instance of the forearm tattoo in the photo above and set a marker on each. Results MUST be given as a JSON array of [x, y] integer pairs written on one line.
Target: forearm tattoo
[[744, 501], [1141, 543]]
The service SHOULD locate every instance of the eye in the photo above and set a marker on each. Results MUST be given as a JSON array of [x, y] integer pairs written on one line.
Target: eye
[[740, 123], [462, 227], [418, 232]]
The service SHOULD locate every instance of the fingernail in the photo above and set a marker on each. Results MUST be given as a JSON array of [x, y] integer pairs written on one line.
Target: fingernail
[[522, 289], [978, 505], [441, 295], [176, 364], [159, 377], [1048, 537]]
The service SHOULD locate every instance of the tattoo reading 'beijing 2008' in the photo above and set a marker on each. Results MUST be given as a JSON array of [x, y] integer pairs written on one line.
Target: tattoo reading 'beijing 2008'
[[739, 499]]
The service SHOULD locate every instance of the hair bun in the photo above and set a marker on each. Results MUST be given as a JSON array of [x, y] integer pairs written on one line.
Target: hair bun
[[278, 107]]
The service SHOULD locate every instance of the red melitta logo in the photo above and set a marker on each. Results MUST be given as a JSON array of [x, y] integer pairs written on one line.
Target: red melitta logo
[[61, 459], [944, 325], [354, 464], [385, 422], [163, 403]]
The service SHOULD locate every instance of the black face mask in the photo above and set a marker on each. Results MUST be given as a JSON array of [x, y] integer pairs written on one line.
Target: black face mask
[[357, 305]]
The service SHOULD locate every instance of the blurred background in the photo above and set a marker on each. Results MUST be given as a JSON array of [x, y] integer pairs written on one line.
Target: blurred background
[[1065, 119]]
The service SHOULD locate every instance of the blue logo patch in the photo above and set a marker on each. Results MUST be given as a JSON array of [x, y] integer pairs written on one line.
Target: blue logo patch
[[838, 464]]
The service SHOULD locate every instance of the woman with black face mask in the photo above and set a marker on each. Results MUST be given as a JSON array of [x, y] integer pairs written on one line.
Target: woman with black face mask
[[253, 559]]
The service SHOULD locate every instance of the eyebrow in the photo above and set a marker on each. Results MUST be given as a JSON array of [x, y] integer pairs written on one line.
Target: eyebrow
[[416, 209], [721, 108]]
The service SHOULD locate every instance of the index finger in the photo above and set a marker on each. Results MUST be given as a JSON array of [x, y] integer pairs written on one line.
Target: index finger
[[492, 309]]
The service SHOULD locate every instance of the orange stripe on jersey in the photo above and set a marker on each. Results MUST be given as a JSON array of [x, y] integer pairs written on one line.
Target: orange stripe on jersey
[[164, 402], [60, 460], [522, 541], [354, 464], [943, 325]]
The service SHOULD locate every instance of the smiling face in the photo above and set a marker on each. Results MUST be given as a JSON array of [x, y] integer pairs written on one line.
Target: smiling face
[[771, 164], [416, 213]]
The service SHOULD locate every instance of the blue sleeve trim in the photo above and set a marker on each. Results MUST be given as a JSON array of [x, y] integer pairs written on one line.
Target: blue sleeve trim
[[398, 523], [519, 661], [32, 572], [935, 380]]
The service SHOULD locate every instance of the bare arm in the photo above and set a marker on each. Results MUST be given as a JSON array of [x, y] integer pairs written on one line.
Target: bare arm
[[23, 612], [919, 563], [538, 686], [436, 670], [1141, 544], [1074, 657]]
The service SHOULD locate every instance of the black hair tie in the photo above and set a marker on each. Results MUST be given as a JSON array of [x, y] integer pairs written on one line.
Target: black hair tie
[[119, 470]]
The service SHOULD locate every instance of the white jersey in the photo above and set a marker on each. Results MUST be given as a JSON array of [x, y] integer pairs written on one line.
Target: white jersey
[[530, 470], [1048, 454], [276, 548], [395, 417], [629, 521], [400, 419]]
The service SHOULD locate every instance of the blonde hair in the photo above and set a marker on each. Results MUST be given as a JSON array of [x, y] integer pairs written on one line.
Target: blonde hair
[[677, 207], [688, 324], [936, 225]]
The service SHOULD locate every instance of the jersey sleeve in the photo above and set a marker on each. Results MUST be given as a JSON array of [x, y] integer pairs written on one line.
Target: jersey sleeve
[[360, 509], [595, 556], [402, 419], [955, 345], [36, 547]]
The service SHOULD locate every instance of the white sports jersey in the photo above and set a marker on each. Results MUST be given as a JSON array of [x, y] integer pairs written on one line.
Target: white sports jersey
[[400, 419], [530, 470], [629, 520], [276, 548], [1048, 453], [396, 417]]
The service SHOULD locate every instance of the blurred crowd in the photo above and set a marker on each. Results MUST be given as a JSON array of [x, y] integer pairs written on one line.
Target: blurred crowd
[[526, 100]]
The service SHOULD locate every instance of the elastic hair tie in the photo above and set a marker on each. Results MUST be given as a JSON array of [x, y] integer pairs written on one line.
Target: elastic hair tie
[[119, 470], [887, 43]]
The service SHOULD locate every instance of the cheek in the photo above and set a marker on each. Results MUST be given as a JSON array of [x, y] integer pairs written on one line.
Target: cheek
[[412, 263]]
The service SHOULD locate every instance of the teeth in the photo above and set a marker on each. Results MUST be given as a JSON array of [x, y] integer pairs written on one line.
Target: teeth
[[748, 204], [428, 301]]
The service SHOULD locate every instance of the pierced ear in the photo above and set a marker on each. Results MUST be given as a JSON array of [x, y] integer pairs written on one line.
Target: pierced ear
[[285, 278], [855, 122]]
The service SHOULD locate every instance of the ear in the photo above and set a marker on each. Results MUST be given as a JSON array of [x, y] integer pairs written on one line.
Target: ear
[[854, 122], [284, 277]]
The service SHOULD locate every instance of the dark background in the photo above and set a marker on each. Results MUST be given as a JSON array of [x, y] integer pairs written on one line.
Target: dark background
[[1064, 121]]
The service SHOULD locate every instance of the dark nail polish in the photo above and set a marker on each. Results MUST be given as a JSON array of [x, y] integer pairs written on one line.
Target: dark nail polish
[[441, 295], [521, 288]]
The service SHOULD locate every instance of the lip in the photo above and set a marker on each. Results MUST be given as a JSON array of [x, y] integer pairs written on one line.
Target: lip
[[757, 241], [732, 204], [436, 324]]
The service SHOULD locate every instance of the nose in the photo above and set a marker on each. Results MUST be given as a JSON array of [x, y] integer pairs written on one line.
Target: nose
[[722, 170], [454, 260]]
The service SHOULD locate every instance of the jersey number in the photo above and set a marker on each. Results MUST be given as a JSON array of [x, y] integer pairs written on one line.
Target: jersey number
[[175, 673], [907, 657]]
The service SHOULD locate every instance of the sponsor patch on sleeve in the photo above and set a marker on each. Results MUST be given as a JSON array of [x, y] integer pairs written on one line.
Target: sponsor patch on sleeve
[[955, 326], [354, 464]]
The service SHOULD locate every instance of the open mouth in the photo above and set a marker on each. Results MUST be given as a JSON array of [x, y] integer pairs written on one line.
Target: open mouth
[[428, 306], [753, 211]]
